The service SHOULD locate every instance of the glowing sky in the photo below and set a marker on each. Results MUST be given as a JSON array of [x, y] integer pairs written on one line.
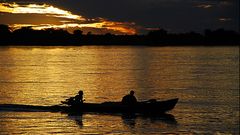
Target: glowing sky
[[53, 17], [121, 16]]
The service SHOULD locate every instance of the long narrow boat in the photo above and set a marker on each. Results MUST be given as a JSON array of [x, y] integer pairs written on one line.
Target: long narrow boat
[[156, 107]]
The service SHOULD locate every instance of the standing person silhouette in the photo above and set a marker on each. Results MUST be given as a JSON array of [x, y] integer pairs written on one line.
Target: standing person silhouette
[[129, 99]]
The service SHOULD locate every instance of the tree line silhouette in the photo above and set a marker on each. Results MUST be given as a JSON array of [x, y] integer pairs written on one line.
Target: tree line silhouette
[[29, 36]]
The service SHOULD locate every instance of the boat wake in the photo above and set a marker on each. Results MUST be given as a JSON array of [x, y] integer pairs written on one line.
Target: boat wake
[[24, 108]]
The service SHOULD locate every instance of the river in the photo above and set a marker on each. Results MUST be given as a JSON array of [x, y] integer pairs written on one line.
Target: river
[[205, 79]]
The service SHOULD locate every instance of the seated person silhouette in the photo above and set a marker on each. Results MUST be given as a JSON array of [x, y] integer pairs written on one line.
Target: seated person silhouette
[[78, 99], [129, 99]]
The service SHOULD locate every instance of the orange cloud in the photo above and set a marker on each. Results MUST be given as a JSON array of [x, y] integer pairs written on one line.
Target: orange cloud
[[38, 9], [66, 19]]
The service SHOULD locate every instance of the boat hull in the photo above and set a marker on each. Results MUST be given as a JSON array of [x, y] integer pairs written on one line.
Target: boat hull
[[157, 107], [118, 107]]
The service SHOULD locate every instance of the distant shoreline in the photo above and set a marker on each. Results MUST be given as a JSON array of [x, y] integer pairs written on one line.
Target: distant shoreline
[[26, 36], [94, 41], [47, 45]]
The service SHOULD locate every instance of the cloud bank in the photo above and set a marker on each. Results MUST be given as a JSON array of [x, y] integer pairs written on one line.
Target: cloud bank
[[138, 16]]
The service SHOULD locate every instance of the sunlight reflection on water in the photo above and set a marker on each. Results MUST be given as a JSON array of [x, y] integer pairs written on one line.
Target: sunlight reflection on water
[[206, 79]]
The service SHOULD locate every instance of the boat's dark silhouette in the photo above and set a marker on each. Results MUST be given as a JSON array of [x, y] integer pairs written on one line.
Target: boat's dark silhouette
[[145, 107], [149, 108], [129, 119], [28, 36]]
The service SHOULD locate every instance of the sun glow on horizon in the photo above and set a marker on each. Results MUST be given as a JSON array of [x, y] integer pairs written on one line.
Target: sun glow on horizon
[[67, 19], [100, 25]]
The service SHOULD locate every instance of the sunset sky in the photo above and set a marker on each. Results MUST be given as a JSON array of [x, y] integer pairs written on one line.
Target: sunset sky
[[121, 16]]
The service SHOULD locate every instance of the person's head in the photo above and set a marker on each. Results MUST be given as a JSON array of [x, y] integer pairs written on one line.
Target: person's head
[[80, 92], [132, 92]]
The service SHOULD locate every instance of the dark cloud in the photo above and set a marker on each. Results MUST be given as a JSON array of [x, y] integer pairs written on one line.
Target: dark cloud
[[174, 15]]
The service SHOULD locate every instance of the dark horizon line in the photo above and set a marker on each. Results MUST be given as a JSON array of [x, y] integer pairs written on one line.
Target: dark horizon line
[[148, 31], [29, 36]]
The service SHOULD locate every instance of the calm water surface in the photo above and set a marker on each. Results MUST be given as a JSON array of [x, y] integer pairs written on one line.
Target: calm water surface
[[206, 79]]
